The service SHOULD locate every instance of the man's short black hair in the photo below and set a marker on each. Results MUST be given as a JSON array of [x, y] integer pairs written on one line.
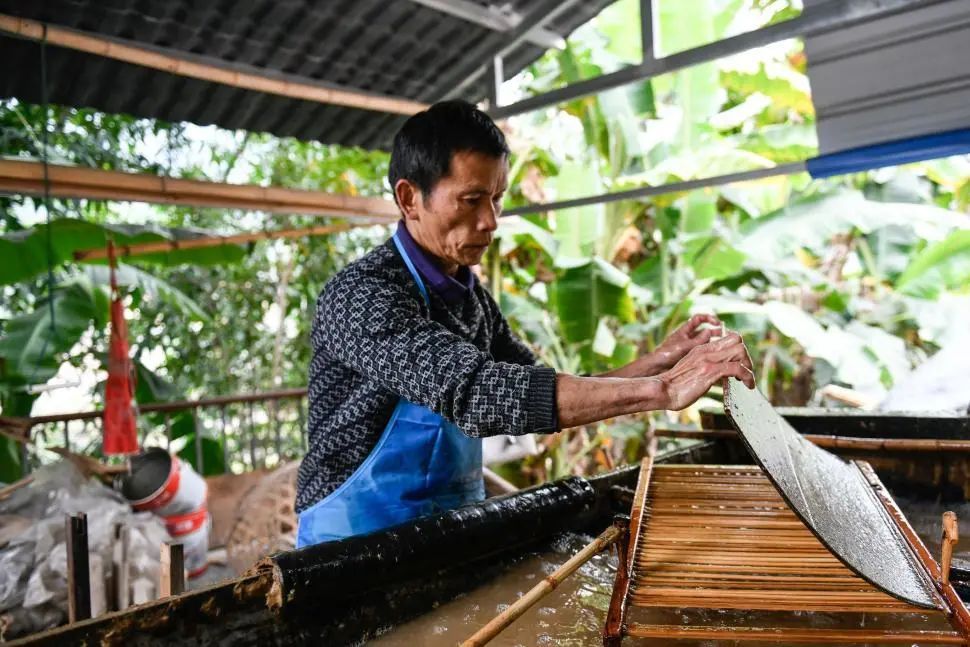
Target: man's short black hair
[[424, 145]]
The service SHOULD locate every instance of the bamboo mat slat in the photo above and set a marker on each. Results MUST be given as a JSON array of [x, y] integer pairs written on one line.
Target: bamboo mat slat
[[722, 537]]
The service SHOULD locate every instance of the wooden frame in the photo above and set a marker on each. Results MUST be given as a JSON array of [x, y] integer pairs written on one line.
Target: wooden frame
[[762, 558], [217, 71], [28, 177], [122, 251], [837, 442], [613, 630], [957, 613]]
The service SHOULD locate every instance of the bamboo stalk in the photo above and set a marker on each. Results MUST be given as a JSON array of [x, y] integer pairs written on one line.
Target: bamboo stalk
[[839, 442], [794, 635], [951, 534], [7, 490], [543, 588], [222, 72], [19, 176], [638, 508], [212, 241], [175, 405]]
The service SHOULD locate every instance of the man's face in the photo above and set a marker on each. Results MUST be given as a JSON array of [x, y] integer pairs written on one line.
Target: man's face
[[456, 222]]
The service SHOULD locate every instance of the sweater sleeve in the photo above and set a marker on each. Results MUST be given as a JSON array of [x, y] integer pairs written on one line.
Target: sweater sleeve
[[381, 330]]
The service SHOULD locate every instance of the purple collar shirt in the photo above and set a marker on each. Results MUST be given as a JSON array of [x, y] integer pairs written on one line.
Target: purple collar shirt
[[450, 288]]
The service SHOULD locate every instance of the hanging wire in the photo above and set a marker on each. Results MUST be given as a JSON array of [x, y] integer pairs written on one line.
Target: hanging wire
[[46, 201]]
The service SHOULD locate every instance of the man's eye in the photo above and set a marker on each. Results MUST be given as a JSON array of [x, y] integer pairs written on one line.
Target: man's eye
[[471, 199]]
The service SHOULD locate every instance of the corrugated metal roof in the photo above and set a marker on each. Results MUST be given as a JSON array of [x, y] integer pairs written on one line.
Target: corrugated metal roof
[[390, 47]]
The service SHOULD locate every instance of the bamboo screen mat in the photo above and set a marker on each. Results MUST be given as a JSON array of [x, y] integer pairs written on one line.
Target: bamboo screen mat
[[722, 537]]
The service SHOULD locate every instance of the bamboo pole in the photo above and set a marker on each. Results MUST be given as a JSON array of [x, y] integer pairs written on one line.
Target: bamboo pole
[[546, 586], [212, 241], [951, 535], [7, 490], [175, 62], [152, 407], [27, 177], [839, 442]]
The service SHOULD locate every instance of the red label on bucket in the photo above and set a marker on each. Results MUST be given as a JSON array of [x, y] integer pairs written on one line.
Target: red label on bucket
[[183, 524]]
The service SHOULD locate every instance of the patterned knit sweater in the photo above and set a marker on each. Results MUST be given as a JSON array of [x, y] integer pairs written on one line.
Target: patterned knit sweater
[[373, 342]]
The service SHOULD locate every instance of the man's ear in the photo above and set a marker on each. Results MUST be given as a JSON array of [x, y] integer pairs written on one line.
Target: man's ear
[[408, 198]]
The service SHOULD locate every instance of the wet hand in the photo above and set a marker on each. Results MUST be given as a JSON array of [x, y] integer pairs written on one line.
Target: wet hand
[[688, 336], [703, 366]]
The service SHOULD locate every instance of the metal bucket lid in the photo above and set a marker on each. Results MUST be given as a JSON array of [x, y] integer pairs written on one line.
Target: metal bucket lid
[[149, 472]]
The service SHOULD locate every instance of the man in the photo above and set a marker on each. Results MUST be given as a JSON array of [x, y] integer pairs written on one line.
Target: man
[[413, 363]]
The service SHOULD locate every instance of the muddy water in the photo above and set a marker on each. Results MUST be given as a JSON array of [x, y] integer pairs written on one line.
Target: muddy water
[[574, 613]]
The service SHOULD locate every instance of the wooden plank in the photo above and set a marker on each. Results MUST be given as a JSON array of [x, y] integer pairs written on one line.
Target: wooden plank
[[27, 176], [794, 635], [171, 570], [173, 62], [838, 442], [861, 424], [123, 251]]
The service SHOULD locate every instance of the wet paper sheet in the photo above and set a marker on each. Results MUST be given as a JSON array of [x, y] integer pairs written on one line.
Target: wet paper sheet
[[831, 496]]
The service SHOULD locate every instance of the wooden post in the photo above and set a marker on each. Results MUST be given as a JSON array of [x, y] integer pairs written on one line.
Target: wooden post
[[951, 535], [120, 564], [172, 571], [78, 573], [613, 628]]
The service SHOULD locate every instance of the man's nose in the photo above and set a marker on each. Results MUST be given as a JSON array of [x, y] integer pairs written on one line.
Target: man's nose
[[489, 217]]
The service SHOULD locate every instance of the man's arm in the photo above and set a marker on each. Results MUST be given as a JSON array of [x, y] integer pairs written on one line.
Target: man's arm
[[582, 400], [380, 330]]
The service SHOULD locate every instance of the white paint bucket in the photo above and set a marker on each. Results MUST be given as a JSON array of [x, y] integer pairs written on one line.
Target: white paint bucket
[[161, 483], [192, 531]]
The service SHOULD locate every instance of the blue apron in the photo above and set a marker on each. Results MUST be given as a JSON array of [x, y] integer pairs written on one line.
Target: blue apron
[[421, 465]]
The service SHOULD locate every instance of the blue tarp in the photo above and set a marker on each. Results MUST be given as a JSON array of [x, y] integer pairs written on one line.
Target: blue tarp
[[902, 151]]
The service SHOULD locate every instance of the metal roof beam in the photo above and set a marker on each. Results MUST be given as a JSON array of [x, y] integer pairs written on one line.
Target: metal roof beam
[[825, 16], [663, 189], [540, 12], [495, 19]]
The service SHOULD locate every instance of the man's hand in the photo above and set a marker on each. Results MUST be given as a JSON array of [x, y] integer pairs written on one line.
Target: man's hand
[[688, 336], [581, 400], [702, 367]]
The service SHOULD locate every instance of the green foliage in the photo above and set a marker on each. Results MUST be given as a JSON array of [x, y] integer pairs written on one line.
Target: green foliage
[[33, 343], [584, 294], [844, 280], [941, 266], [29, 247]]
